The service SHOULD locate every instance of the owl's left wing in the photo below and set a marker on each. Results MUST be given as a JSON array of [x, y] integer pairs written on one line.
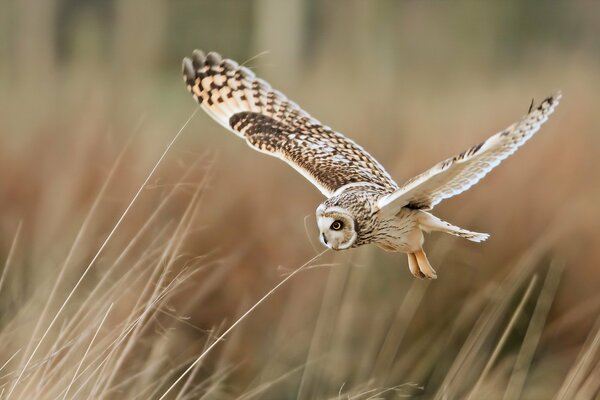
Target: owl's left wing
[[459, 173], [272, 124]]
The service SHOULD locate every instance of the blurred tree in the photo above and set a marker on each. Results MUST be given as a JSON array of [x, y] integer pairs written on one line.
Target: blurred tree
[[34, 46], [280, 30], [84, 30], [34, 35], [138, 43]]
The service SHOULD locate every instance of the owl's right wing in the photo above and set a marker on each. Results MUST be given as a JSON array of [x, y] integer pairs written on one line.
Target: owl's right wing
[[459, 173], [272, 124]]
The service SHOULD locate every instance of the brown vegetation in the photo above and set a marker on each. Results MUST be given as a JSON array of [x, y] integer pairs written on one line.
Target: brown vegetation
[[89, 104]]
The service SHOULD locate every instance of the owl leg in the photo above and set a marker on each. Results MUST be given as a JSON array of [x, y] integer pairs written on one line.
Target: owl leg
[[424, 265], [413, 265]]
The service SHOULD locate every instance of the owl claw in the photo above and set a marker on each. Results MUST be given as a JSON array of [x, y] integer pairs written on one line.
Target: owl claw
[[419, 274]]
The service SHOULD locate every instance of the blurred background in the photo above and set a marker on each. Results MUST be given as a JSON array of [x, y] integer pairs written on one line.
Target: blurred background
[[105, 297]]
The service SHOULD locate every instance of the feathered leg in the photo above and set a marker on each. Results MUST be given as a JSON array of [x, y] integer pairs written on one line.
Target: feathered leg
[[413, 265]]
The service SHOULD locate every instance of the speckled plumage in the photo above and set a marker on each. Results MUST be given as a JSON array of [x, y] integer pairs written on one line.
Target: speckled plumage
[[361, 196]]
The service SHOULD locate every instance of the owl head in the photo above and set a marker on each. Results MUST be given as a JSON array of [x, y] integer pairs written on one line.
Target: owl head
[[337, 227]]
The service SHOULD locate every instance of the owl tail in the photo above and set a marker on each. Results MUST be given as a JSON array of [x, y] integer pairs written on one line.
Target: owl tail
[[430, 223]]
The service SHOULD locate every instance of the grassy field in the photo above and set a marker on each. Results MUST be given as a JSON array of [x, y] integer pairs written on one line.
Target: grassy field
[[127, 263]]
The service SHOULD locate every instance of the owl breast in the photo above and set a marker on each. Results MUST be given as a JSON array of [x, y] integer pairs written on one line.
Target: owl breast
[[400, 232]]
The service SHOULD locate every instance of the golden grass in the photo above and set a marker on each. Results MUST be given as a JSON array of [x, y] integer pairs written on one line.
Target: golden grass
[[120, 316], [120, 280]]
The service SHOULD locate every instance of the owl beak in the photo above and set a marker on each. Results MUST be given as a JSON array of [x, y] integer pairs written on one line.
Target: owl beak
[[324, 238]]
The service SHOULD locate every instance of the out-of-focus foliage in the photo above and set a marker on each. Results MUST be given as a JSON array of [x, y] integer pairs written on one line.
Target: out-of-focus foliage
[[91, 86]]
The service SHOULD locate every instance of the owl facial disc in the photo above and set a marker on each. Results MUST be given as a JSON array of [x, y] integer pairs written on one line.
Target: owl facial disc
[[336, 228]]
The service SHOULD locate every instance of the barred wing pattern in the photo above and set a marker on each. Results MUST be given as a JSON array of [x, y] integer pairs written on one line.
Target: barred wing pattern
[[272, 124], [459, 173]]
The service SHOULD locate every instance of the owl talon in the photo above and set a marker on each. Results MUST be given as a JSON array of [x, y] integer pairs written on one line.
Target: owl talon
[[418, 274]]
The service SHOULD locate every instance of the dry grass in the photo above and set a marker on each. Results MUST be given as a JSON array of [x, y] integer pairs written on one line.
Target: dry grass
[[110, 292]]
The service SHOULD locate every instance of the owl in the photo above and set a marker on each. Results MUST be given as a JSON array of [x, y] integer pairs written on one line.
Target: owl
[[363, 205]]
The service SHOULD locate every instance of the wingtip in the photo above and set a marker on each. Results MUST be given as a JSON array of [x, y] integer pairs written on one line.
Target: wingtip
[[187, 69], [198, 58], [557, 96], [213, 58], [479, 237], [549, 102], [554, 98]]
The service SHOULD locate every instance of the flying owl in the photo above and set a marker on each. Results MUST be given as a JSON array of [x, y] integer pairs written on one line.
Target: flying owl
[[364, 205]]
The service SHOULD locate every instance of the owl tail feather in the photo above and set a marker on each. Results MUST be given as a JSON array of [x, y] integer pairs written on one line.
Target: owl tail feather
[[430, 223]]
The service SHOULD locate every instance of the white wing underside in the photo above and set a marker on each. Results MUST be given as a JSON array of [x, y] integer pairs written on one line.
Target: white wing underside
[[459, 173]]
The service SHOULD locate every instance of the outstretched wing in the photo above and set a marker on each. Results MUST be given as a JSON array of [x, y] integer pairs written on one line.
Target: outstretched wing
[[459, 173], [274, 125]]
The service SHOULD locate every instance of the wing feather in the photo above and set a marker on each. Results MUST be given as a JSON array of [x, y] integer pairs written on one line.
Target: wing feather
[[272, 124], [459, 173]]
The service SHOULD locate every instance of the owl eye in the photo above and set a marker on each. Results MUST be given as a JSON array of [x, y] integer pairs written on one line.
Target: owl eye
[[337, 225]]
